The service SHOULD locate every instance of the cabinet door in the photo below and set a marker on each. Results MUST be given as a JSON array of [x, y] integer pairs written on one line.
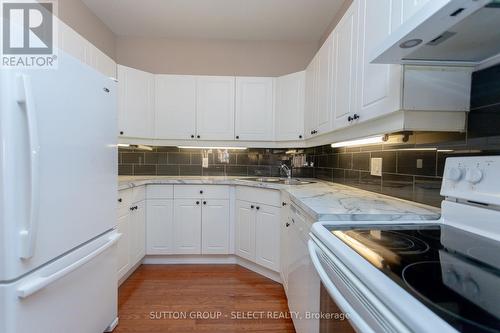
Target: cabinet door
[[323, 89], [410, 8], [254, 108], [267, 236], [187, 226], [215, 227], [245, 230], [175, 107], [310, 110], [123, 246], [289, 113], [378, 86], [71, 42], [159, 227], [99, 61], [138, 234], [215, 108], [344, 74], [285, 244], [135, 103]]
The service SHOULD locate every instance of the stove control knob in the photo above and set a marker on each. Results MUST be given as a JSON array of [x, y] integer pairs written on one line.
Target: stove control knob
[[451, 278], [454, 174], [471, 288], [474, 176]]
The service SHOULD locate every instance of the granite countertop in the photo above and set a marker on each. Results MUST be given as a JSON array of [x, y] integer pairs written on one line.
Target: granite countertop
[[323, 201]]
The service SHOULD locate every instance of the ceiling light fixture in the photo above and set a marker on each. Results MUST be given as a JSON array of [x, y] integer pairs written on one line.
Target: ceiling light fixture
[[360, 142]]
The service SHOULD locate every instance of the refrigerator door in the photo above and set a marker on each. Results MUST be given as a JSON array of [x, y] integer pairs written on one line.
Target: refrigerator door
[[58, 162], [76, 293]]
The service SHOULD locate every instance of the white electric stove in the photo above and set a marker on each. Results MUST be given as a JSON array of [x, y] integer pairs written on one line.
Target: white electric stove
[[436, 276]]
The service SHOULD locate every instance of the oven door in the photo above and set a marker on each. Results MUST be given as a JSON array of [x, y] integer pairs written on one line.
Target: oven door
[[364, 310]]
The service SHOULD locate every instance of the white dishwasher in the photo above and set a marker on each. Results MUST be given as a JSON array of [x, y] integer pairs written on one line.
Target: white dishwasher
[[303, 281]]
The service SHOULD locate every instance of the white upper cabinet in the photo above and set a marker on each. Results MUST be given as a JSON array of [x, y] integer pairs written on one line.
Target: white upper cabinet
[[310, 109], [378, 86], [135, 103], [254, 109], [289, 111], [344, 69], [175, 107], [410, 7], [324, 87], [215, 108], [77, 46]]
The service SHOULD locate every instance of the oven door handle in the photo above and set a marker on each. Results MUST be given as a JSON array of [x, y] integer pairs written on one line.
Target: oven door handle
[[358, 323]]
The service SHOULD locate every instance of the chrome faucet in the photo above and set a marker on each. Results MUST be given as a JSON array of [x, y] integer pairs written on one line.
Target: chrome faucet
[[287, 170]]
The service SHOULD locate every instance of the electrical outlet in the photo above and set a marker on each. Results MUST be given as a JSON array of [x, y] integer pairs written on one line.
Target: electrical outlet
[[204, 162], [420, 163], [376, 166]]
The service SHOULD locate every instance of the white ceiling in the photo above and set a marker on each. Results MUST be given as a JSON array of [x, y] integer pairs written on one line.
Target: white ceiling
[[258, 20]]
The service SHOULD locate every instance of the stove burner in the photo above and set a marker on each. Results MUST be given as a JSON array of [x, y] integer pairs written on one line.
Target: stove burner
[[430, 234], [391, 240], [444, 273]]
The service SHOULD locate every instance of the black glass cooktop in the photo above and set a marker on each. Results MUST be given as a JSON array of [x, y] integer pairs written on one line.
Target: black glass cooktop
[[454, 273]]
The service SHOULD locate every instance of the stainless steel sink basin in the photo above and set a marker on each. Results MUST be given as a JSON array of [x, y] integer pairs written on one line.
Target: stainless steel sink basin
[[275, 180]]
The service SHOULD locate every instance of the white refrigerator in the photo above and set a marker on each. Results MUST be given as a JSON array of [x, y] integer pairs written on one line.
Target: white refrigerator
[[58, 189]]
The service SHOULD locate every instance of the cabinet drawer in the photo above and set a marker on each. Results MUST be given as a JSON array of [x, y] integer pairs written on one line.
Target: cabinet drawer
[[160, 191], [259, 195], [201, 191], [124, 201], [138, 194]]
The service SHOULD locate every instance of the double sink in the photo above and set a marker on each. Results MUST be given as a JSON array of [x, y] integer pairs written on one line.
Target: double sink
[[275, 180]]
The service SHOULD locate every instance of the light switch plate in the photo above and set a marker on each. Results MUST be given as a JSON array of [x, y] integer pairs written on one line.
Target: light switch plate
[[376, 166], [205, 162]]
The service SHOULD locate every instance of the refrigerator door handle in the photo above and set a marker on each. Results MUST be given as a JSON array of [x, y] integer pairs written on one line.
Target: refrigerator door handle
[[25, 101], [37, 284]]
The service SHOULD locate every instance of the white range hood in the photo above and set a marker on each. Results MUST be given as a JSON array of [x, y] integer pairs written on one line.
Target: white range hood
[[463, 32]]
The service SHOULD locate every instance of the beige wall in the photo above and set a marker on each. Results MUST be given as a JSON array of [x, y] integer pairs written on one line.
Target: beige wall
[[214, 57], [75, 14], [335, 21]]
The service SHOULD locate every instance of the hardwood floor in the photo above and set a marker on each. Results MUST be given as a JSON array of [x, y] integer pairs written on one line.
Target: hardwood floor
[[154, 297]]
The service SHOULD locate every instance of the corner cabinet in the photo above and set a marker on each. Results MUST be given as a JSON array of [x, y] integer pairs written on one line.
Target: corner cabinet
[[254, 109], [215, 108], [258, 216], [258, 233], [135, 103], [289, 110]]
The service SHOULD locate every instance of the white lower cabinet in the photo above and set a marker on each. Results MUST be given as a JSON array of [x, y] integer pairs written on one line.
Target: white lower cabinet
[[159, 226], [215, 227], [267, 236], [138, 232], [258, 233], [245, 230], [187, 226], [123, 246], [131, 247]]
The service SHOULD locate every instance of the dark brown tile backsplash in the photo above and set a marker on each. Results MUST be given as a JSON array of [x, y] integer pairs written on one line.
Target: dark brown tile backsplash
[[408, 170], [172, 161]]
